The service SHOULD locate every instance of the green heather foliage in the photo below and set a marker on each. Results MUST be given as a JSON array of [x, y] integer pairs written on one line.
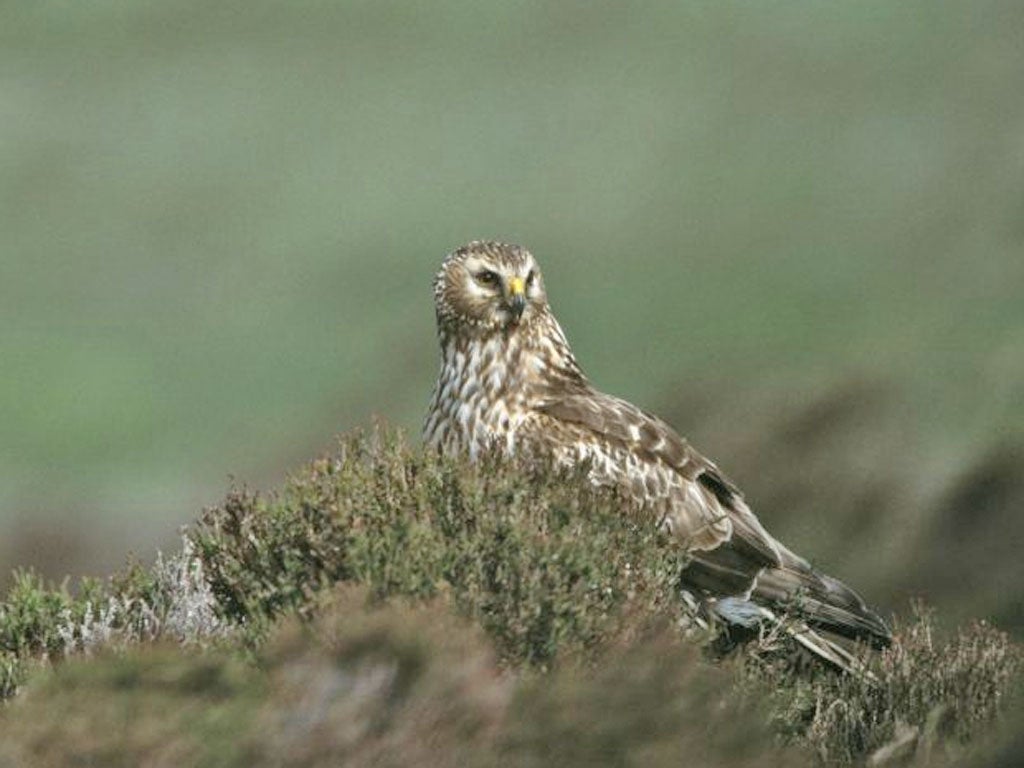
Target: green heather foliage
[[392, 607], [945, 690], [43, 623], [544, 562], [32, 625]]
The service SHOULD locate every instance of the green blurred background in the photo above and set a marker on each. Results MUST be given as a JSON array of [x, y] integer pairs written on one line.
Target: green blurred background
[[796, 229]]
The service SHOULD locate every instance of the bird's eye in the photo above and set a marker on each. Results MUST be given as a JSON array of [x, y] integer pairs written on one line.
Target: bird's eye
[[530, 277], [487, 277]]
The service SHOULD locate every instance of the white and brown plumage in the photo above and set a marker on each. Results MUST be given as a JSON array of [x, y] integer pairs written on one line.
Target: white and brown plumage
[[508, 378]]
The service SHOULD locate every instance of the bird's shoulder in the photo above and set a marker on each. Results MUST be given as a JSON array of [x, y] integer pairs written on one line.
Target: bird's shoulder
[[706, 507], [627, 426]]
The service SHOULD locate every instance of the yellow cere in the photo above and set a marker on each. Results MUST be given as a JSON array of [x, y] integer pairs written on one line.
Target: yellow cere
[[516, 286]]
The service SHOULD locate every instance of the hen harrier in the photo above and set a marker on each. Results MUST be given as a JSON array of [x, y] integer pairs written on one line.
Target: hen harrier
[[508, 378]]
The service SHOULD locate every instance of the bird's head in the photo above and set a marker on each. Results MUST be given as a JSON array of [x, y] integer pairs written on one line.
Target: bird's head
[[489, 286]]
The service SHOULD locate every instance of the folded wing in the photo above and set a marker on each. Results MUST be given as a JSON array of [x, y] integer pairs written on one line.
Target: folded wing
[[732, 554]]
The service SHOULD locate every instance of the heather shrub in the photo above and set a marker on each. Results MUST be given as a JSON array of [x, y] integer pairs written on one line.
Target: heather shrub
[[930, 694], [544, 562], [392, 607]]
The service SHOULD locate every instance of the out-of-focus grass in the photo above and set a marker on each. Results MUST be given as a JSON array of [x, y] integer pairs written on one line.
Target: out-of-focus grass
[[218, 222], [392, 685]]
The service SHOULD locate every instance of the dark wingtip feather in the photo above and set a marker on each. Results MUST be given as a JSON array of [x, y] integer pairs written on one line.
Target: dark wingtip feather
[[823, 601]]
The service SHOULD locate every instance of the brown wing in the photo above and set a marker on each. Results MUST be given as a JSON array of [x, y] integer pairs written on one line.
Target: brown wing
[[731, 552], [701, 506]]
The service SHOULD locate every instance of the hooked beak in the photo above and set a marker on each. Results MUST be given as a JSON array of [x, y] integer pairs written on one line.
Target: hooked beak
[[516, 297]]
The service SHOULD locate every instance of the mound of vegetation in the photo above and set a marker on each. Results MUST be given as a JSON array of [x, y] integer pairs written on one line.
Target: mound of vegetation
[[391, 607]]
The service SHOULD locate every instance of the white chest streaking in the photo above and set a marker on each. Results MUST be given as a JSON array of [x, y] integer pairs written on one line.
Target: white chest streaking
[[483, 394]]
